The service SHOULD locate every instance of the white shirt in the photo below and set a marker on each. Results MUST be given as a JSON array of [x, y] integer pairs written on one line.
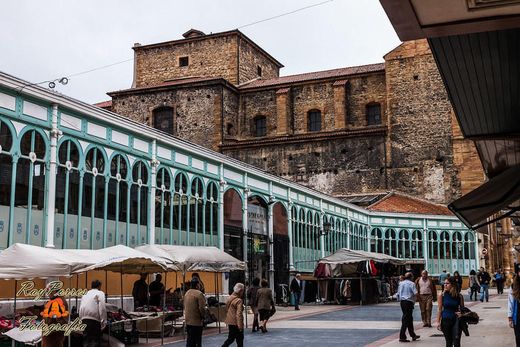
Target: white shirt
[[93, 306]]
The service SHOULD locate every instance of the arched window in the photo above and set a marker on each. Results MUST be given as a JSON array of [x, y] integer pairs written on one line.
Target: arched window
[[314, 120], [260, 124], [211, 215], [373, 113], [6, 179], [180, 205], [163, 119], [118, 201], [376, 243], [67, 195], [417, 247], [139, 205], [93, 200], [163, 207], [196, 213]]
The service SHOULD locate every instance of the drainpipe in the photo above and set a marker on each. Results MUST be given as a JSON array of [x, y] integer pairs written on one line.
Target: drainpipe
[[51, 196]]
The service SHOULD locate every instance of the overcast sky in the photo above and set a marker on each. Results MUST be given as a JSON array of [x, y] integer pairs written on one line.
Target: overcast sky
[[48, 39]]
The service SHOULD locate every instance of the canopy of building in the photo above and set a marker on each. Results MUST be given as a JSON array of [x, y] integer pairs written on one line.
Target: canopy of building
[[21, 261], [188, 258]]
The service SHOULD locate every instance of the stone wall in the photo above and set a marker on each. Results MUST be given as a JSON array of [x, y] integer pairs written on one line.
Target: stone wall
[[336, 165], [197, 111], [419, 118], [250, 58], [208, 57]]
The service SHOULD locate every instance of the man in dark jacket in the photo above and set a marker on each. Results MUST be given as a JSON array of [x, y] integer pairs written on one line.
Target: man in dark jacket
[[296, 290], [484, 278], [140, 291]]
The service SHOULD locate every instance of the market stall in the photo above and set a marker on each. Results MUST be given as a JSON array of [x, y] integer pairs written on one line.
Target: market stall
[[351, 276], [25, 262], [197, 259]]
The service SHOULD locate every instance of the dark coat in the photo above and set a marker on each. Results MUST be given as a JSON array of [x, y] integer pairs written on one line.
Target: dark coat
[[295, 287]]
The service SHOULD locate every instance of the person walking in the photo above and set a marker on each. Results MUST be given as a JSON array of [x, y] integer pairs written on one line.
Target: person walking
[[140, 291], [251, 299], [234, 317], [499, 280], [473, 285], [427, 293], [513, 307], [93, 314], [194, 311], [296, 290], [458, 280], [406, 293], [484, 278], [265, 303], [450, 303]]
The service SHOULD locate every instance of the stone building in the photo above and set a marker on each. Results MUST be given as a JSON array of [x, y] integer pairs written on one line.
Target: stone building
[[363, 129]]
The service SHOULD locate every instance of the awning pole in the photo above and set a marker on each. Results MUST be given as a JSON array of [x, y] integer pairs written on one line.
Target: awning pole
[[13, 342], [218, 301], [121, 277], [164, 307]]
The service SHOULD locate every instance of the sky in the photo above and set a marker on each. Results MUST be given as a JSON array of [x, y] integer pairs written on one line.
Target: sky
[[48, 39]]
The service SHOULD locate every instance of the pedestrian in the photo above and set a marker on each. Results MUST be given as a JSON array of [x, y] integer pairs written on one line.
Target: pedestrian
[[156, 290], [93, 314], [450, 303], [513, 307], [406, 295], [265, 303], [234, 317], [194, 312], [442, 277], [484, 279], [251, 299], [201, 284], [473, 285], [499, 280], [426, 294], [55, 312], [296, 290], [458, 280], [140, 291]]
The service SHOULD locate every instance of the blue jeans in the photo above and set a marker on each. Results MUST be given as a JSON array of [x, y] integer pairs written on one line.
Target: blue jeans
[[484, 290]]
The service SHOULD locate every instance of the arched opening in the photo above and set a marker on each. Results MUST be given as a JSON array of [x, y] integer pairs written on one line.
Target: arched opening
[[258, 237], [6, 182], [211, 215], [118, 201], [139, 205], [163, 207], [196, 213], [233, 231], [67, 195], [280, 246], [180, 209]]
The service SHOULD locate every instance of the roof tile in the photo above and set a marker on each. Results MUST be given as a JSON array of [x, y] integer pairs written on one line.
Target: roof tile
[[400, 203]]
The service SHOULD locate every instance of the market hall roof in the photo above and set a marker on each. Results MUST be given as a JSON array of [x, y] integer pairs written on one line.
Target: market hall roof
[[401, 203], [476, 45], [313, 76]]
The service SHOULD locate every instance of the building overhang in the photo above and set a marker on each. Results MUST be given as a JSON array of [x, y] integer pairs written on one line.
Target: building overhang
[[476, 45]]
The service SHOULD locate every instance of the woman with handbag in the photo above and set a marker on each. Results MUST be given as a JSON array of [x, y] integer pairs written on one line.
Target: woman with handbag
[[473, 285], [450, 303], [514, 307], [265, 304]]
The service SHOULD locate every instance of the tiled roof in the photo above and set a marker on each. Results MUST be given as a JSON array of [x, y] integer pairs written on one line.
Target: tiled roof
[[176, 82], [104, 104], [310, 76], [400, 203]]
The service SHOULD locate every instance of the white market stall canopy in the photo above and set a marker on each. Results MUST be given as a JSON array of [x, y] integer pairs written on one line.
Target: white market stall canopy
[[191, 258], [21, 261]]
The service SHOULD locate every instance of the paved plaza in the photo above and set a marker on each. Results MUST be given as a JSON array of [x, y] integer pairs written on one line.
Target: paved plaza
[[374, 325]]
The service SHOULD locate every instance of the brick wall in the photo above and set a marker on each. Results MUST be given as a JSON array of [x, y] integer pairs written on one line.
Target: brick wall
[[249, 61]]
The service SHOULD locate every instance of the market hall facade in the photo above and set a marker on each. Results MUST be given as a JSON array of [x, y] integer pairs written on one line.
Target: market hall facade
[[74, 175]]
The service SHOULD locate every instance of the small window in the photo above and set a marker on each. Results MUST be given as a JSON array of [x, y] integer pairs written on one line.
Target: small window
[[259, 71], [183, 61], [373, 114], [163, 119], [314, 120], [260, 126]]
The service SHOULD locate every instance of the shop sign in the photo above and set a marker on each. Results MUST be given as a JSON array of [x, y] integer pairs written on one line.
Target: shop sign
[[256, 219]]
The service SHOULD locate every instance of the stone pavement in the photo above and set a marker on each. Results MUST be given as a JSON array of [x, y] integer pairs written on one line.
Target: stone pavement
[[374, 325]]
